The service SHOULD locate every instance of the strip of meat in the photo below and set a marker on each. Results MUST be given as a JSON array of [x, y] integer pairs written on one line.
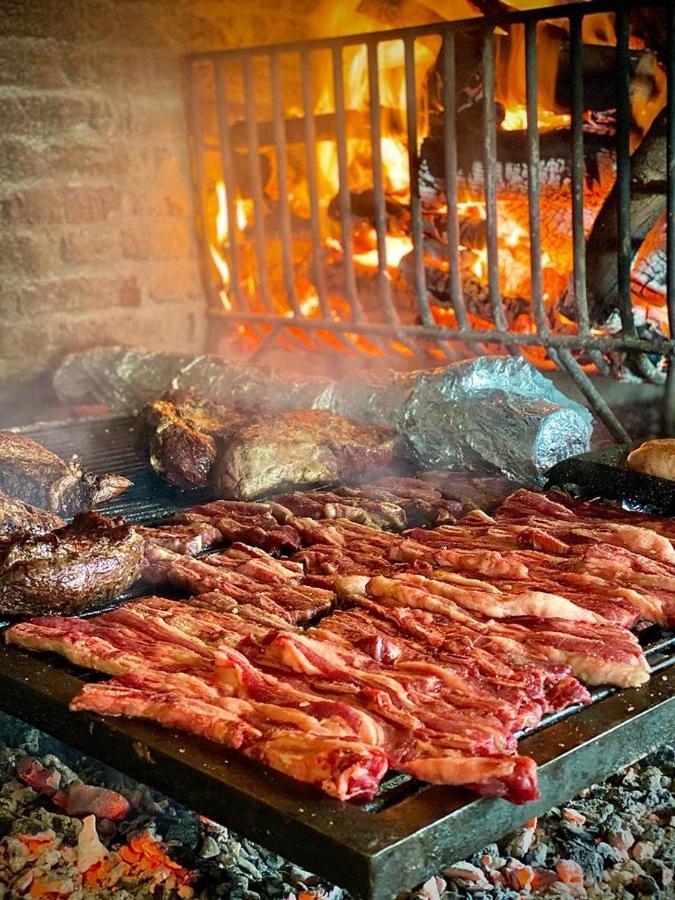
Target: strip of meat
[[611, 655], [421, 703], [543, 513], [197, 576], [359, 630], [509, 671], [190, 540], [258, 531], [425, 732], [257, 564], [114, 650], [293, 743]]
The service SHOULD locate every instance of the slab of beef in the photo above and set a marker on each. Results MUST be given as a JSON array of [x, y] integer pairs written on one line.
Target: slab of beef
[[299, 449], [33, 474], [183, 432], [472, 491], [69, 570], [17, 518]]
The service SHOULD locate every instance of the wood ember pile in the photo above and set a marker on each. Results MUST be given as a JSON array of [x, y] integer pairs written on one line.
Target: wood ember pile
[[615, 840]]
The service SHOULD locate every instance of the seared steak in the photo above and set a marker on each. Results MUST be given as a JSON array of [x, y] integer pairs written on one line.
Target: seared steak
[[33, 474], [182, 434], [71, 569], [17, 518], [298, 449]]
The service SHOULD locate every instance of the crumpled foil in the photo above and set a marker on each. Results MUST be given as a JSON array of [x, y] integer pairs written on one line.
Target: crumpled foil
[[487, 413]]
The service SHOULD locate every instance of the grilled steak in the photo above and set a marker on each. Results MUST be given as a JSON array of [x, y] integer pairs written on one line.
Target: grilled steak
[[33, 474], [17, 518], [298, 449], [182, 434], [71, 569]]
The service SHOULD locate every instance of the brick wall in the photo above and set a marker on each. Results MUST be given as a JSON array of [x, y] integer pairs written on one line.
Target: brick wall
[[96, 217]]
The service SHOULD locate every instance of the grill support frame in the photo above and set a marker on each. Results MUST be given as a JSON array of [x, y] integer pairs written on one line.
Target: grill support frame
[[376, 849]]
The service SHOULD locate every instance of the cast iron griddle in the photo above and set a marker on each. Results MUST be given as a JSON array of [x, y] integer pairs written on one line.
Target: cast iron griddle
[[603, 473], [375, 849]]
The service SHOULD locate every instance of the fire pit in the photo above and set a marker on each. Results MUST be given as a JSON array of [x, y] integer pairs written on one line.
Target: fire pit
[[499, 186], [443, 190]]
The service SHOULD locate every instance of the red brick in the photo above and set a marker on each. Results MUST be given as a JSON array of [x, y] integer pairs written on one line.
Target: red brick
[[90, 245], [174, 281], [158, 238], [38, 204], [27, 254], [129, 292], [40, 113], [91, 204], [46, 203], [91, 292]]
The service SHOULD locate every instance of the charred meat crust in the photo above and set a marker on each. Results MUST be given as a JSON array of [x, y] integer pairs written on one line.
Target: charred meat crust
[[17, 518], [31, 473], [182, 432], [298, 449], [70, 569]]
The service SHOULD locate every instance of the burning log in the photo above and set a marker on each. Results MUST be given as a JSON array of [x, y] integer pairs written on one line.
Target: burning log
[[647, 204]]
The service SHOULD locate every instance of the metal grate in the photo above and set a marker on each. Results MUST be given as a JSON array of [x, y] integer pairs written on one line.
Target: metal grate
[[236, 83], [374, 849]]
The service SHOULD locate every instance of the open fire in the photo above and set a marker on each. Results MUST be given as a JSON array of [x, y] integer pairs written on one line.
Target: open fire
[[299, 237]]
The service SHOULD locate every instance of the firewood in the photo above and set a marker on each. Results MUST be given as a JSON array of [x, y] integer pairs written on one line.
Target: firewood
[[648, 202]]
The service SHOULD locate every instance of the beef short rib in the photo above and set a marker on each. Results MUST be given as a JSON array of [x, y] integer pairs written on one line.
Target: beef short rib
[[17, 518], [182, 434], [71, 569], [33, 474], [298, 449]]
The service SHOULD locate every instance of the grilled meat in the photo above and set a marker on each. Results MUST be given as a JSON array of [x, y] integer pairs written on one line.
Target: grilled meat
[[17, 518], [33, 474], [71, 569], [298, 449], [182, 434]]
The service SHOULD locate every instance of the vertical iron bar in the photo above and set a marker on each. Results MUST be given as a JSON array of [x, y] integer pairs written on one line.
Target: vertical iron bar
[[256, 182], [489, 176], [344, 197], [420, 278], [668, 423], [564, 359], [229, 182], [451, 188], [378, 186], [312, 184], [285, 231], [578, 239], [623, 173], [211, 288], [533, 199]]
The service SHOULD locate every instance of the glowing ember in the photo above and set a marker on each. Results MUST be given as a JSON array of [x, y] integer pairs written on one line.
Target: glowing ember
[[648, 91]]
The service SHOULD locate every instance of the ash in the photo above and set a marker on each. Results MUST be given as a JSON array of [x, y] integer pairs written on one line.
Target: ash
[[615, 840]]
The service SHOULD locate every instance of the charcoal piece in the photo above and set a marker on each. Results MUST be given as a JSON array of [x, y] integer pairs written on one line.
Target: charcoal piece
[[31, 473]]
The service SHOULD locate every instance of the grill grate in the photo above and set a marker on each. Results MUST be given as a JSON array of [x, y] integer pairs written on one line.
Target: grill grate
[[232, 141], [374, 849]]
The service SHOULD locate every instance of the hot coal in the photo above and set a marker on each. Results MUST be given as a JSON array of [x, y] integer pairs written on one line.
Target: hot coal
[[615, 841]]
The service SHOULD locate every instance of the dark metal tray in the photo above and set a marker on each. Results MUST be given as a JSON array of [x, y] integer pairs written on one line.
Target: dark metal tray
[[375, 849], [603, 473]]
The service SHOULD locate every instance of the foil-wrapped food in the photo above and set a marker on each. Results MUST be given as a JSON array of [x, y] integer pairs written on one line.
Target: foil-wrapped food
[[490, 413]]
